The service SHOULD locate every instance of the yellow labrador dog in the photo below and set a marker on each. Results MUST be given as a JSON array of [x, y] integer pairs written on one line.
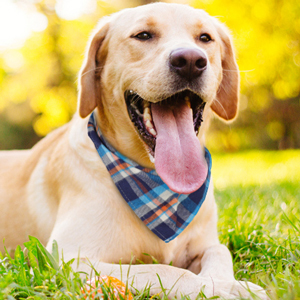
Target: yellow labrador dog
[[151, 75]]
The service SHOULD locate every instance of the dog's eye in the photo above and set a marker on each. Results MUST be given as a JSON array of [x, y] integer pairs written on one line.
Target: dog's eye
[[143, 36], [205, 38]]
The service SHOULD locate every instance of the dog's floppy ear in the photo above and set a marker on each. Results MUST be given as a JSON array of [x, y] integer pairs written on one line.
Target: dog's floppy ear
[[87, 96], [226, 103]]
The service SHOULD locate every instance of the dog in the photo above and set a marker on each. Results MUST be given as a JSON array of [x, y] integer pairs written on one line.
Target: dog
[[152, 78]]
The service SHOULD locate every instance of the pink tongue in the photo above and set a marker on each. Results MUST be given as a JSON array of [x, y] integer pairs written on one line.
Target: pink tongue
[[179, 157]]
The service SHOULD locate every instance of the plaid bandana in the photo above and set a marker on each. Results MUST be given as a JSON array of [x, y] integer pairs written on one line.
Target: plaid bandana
[[165, 212]]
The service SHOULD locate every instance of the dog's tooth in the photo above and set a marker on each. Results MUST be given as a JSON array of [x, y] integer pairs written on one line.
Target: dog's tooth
[[153, 131], [150, 127], [148, 119], [147, 111], [147, 114], [187, 100], [149, 124]]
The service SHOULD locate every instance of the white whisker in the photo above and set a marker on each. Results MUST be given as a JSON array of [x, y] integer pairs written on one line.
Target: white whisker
[[239, 71], [92, 70]]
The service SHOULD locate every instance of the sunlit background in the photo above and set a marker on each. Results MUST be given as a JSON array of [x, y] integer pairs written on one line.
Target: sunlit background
[[41, 50]]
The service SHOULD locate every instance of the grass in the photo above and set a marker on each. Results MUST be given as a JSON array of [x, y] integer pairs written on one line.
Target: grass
[[258, 195]]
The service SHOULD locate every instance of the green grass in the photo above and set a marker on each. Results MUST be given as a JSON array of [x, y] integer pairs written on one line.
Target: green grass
[[258, 196]]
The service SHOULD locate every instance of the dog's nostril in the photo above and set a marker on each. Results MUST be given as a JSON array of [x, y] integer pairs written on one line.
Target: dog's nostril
[[201, 63], [178, 61], [189, 63]]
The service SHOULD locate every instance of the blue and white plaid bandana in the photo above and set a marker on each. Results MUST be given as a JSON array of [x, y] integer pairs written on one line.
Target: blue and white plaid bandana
[[165, 212]]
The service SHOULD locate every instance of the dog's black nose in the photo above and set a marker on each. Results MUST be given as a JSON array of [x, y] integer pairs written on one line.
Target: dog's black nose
[[189, 63]]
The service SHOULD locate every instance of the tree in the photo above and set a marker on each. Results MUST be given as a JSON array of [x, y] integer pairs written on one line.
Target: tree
[[38, 94]]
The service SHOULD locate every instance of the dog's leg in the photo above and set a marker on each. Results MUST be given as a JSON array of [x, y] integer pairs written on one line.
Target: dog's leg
[[158, 278], [216, 262], [175, 282], [216, 270]]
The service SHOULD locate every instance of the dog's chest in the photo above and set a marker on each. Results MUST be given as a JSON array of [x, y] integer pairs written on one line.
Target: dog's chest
[[130, 240], [117, 233]]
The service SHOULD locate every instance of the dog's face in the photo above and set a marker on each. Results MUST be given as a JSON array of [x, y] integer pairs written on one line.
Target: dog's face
[[151, 71]]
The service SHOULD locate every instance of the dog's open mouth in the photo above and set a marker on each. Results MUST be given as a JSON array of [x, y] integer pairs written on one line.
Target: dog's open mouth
[[169, 128], [141, 114]]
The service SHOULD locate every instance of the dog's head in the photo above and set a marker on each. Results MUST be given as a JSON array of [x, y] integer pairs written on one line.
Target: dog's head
[[151, 71]]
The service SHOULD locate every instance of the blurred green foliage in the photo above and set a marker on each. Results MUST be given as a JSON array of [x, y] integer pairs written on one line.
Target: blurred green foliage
[[266, 36], [38, 82]]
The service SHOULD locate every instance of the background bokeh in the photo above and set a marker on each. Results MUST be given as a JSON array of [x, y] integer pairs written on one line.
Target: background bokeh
[[42, 43]]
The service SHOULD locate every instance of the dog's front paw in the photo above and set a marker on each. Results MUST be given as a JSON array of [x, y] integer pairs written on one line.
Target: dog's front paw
[[233, 289], [251, 290]]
